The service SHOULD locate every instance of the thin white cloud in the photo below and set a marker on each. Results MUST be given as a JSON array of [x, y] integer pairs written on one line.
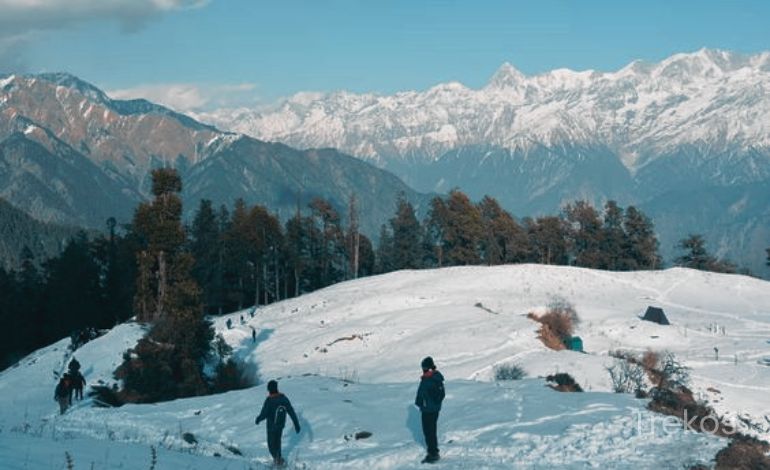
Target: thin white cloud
[[23, 20], [189, 97], [30, 15]]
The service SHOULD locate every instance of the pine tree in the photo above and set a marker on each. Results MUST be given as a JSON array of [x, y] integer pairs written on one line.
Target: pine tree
[[384, 257], [240, 270], [366, 257], [548, 238], [464, 230], [168, 362], [266, 238], [696, 256], [297, 254], [435, 230], [585, 234], [206, 248], [613, 236], [329, 248], [353, 239], [504, 241], [73, 286], [406, 249], [31, 300], [641, 246]]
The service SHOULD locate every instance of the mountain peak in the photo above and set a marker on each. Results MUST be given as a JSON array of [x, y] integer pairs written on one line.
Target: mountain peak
[[507, 76]]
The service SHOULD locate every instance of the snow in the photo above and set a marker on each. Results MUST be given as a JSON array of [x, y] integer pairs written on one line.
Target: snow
[[724, 91], [4, 82], [348, 357]]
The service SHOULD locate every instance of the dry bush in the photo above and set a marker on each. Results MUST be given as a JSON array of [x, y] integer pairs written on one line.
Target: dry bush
[[673, 374], [744, 453], [650, 360], [697, 416], [563, 382], [627, 377], [558, 324]]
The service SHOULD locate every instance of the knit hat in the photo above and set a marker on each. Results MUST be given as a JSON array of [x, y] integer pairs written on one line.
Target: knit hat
[[272, 386], [427, 363]]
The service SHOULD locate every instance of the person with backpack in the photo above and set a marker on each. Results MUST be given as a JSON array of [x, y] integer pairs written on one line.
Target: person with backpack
[[274, 412], [78, 382], [74, 365], [62, 393], [430, 394]]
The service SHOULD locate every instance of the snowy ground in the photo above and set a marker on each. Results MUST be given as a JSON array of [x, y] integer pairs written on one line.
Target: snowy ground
[[348, 356]]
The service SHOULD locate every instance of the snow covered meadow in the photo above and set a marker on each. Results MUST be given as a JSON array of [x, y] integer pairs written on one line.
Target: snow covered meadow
[[348, 357]]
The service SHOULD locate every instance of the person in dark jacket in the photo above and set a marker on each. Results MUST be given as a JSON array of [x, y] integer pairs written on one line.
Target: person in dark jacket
[[78, 382], [62, 394], [430, 394], [274, 412]]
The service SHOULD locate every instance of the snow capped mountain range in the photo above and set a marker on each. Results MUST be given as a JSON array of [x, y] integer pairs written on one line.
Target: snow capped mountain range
[[686, 139], [713, 100]]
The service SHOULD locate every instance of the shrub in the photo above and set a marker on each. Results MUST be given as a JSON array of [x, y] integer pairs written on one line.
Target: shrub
[[563, 382], [743, 453], [650, 360], [673, 373], [509, 372], [233, 375], [558, 323], [627, 377]]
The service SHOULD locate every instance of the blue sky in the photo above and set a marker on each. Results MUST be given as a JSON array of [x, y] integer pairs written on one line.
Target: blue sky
[[228, 51]]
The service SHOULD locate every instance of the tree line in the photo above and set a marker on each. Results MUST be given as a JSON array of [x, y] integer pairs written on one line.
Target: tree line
[[244, 255]]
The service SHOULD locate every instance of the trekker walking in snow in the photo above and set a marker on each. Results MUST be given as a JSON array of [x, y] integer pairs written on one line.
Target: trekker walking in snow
[[430, 394], [74, 365], [274, 411], [78, 382], [62, 394]]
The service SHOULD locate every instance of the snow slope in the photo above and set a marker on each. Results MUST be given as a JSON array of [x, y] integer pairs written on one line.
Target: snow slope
[[348, 357]]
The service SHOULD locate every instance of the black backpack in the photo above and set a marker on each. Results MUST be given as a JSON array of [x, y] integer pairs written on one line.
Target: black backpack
[[280, 417]]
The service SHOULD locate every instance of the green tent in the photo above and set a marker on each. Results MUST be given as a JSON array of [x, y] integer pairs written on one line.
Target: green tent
[[574, 343]]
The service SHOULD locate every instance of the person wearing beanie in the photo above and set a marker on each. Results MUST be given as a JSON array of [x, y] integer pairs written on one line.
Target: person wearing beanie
[[430, 394], [274, 412]]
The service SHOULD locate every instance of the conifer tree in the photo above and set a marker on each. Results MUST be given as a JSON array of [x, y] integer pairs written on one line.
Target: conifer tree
[[585, 234], [548, 240], [297, 253], [206, 248], [329, 247], [641, 246], [613, 236], [504, 241], [697, 257], [353, 239], [436, 225], [464, 230], [168, 362], [406, 249], [384, 257]]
